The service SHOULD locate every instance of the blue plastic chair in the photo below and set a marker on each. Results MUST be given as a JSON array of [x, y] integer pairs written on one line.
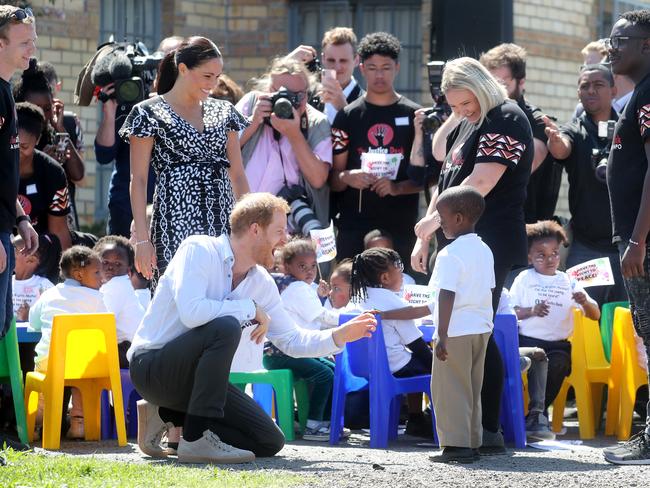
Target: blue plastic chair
[[364, 365], [513, 420], [130, 398]]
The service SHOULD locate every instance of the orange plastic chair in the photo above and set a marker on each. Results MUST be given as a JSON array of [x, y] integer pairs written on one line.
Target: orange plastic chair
[[630, 373], [590, 372], [83, 354]]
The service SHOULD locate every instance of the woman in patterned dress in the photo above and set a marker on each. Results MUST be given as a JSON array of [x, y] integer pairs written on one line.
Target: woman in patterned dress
[[192, 142]]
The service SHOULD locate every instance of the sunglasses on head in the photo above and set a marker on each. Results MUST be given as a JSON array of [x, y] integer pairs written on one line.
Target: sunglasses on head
[[18, 15]]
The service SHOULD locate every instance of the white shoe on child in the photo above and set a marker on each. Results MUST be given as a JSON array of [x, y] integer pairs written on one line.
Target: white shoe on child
[[151, 429], [76, 430], [211, 449]]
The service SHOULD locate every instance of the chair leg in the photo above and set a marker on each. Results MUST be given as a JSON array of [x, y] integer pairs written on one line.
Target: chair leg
[[301, 390], [284, 401], [338, 409], [17, 392], [624, 428], [584, 403], [52, 412], [393, 419], [597, 390], [558, 407], [31, 405], [378, 420], [90, 395], [613, 407]]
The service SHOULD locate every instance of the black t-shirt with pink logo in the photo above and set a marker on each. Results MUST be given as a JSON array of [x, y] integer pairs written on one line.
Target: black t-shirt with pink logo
[[8, 158], [363, 127], [504, 137], [627, 165]]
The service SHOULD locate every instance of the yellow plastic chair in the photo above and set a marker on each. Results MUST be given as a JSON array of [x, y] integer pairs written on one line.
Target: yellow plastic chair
[[590, 372], [618, 364], [83, 354], [630, 373]]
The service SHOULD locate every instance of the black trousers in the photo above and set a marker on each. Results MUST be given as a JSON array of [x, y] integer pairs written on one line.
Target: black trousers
[[189, 375]]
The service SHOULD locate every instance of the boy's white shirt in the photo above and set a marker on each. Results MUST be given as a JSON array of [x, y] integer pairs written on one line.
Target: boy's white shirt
[[120, 298], [530, 287], [397, 333], [66, 297], [466, 267], [28, 290]]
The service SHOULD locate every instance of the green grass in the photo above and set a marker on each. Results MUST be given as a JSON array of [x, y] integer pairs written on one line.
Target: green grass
[[27, 469]]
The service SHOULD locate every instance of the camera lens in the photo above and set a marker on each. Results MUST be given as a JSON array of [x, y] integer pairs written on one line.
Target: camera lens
[[129, 91], [283, 108], [601, 170]]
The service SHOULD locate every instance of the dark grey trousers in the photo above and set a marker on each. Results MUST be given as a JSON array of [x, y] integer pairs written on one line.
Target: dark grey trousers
[[190, 375]]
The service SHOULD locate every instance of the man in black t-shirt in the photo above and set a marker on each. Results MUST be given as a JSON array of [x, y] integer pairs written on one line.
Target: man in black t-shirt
[[628, 181], [17, 45], [507, 63], [378, 129], [577, 147]]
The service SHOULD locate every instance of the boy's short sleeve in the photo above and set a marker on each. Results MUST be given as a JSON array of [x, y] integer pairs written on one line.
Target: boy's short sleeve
[[517, 291], [447, 272]]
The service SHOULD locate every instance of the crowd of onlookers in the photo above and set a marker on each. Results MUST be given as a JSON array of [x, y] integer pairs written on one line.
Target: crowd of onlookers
[[319, 155]]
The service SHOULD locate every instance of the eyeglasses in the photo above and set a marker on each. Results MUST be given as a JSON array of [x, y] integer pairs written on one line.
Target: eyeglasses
[[18, 15], [399, 264], [617, 41]]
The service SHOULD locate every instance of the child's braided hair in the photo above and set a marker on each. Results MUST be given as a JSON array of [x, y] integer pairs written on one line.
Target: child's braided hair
[[367, 269]]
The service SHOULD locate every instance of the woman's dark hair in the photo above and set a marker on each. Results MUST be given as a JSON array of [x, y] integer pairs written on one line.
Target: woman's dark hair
[[31, 118], [119, 242], [32, 80], [545, 229], [76, 257], [367, 269], [48, 258], [192, 52]]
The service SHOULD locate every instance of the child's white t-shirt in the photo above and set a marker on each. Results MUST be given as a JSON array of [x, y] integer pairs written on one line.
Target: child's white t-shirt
[[120, 298], [397, 333], [28, 291], [505, 306], [301, 300], [66, 297], [531, 287], [466, 267], [144, 297]]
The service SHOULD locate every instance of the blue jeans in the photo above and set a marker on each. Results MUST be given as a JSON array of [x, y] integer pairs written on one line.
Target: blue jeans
[[579, 253], [638, 290], [6, 298]]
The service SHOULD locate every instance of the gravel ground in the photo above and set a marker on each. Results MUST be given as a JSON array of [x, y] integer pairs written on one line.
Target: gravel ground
[[407, 464]]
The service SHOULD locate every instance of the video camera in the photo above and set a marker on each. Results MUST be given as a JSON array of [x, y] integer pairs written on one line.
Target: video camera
[[437, 114], [131, 68]]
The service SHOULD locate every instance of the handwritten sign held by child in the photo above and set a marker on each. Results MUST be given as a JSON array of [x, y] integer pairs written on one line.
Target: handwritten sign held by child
[[325, 242], [597, 272], [417, 295], [381, 165]]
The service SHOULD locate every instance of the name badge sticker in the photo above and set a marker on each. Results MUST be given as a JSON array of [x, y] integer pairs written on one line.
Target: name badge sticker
[[31, 189], [401, 121]]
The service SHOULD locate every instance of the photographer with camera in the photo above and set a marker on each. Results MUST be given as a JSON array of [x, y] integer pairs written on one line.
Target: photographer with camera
[[191, 140], [582, 148], [287, 149]]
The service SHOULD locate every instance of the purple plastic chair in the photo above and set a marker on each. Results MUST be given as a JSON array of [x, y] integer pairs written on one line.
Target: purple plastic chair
[[130, 397], [513, 421], [363, 364]]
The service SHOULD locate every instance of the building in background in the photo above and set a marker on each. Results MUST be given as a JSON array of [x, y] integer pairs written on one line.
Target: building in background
[[250, 32]]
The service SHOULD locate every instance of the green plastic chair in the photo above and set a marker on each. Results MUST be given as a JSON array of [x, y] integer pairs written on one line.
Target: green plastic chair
[[281, 380], [607, 324], [10, 373]]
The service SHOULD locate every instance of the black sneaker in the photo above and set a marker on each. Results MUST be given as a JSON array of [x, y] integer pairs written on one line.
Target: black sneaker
[[462, 455], [420, 426], [634, 451]]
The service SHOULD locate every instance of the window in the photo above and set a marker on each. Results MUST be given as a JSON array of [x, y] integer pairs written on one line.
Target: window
[[124, 20], [310, 19], [609, 12]]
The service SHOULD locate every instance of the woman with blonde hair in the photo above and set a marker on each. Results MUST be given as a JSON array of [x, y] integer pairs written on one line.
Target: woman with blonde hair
[[486, 143]]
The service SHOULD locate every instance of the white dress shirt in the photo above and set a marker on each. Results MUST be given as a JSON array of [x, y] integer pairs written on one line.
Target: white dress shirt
[[331, 110], [197, 288]]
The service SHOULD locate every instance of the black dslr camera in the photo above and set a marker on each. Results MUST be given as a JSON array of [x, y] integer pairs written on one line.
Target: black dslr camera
[[314, 66], [283, 101], [437, 114], [600, 156]]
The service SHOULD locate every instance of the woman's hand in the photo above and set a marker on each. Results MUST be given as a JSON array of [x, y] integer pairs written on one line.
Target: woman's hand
[[145, 259], [420, 256], [357, 178], [427, 225]]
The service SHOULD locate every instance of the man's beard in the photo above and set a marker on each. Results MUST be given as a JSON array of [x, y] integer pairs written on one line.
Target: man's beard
[[517, 93], [264, 255]]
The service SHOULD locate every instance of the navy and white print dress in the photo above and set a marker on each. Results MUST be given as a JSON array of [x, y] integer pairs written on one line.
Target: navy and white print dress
[[193, 192]]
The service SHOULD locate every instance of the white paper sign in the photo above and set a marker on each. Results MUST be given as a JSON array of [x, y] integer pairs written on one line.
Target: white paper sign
[[381, 165], [418, 295], [325, 242], [597, 272]]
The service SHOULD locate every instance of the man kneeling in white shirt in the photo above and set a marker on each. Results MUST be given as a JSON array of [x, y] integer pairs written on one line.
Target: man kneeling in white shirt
[[182, 351]]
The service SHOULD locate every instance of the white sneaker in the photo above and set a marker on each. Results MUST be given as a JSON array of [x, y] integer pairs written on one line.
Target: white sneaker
[[151, 429], [76, 430], [210, 449]]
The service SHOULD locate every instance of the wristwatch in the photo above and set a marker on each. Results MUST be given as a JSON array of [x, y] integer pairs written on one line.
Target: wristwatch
[[22, 218]]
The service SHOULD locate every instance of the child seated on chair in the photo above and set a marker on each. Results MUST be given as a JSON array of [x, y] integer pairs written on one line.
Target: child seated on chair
[[301, 300], [376, 284], [463, 279], [543, 298], [29, 283], [117, 259], [79, 293]]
